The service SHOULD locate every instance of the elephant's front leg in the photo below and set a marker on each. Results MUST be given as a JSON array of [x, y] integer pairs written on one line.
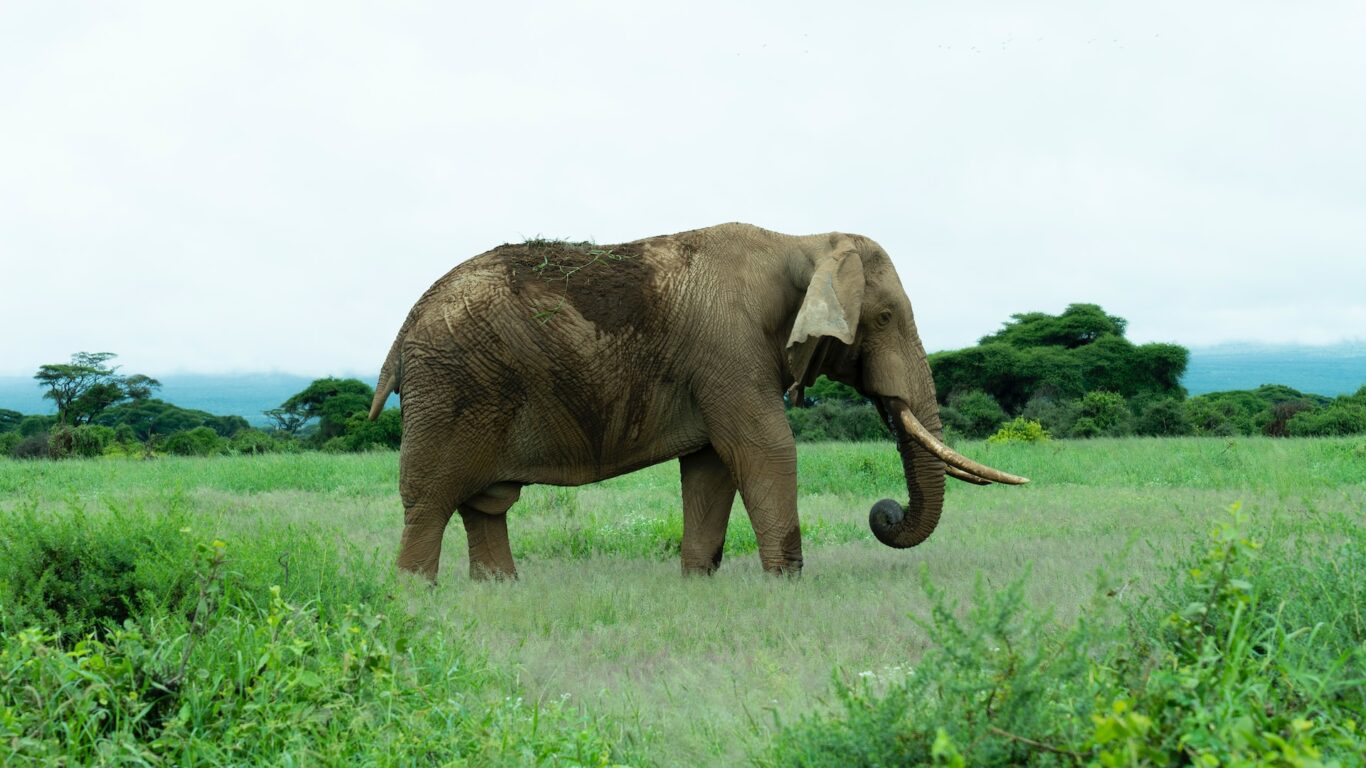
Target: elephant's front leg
[[757, 445], [708, 493]]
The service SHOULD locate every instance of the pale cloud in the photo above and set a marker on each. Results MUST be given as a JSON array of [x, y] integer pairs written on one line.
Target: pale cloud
[[270, 186]]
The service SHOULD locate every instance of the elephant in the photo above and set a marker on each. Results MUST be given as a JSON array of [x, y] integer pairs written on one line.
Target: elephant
[[568, 363]]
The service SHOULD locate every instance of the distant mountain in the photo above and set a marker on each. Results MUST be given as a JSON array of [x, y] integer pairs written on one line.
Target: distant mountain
[[1331, 370], [1336, 369]]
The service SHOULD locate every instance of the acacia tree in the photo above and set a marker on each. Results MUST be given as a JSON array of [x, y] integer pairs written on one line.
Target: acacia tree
[[332, 401], [88, 385]]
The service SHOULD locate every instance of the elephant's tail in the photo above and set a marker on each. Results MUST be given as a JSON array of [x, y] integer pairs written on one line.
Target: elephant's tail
[[389, 375]]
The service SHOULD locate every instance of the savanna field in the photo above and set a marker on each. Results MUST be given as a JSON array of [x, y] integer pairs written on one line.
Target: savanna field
[[1160, 601]]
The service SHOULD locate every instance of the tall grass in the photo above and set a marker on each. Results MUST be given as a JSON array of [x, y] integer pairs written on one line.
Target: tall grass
[[602, 641]]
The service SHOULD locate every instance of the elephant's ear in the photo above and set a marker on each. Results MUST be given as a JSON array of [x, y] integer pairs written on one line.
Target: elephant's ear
[[830, 311]]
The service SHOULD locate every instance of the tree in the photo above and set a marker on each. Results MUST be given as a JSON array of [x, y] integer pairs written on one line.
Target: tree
[[332, 401], [288, 421], [9, 420], [88, 385], [200, 441], [1078, 325], [1037, 355], [153, 416]]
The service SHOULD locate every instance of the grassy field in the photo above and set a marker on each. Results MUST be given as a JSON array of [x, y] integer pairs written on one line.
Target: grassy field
[[604, 635]]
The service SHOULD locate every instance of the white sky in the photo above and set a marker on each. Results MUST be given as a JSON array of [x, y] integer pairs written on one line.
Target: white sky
[[270, 186]]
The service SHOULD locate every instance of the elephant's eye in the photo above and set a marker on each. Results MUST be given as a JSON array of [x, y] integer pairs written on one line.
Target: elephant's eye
[[884, 317]]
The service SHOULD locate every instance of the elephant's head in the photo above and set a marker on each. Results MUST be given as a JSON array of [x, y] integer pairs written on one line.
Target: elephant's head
[[855, 325]]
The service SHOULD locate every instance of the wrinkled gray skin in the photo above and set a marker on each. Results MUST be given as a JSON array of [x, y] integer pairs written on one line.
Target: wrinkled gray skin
[[564, 365]]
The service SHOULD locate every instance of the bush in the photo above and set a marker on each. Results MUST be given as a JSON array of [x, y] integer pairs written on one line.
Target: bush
[[1240, 659], [1105, 414], [1056, 416], [973, 414], [76, 573], [61, 441], [253, 442], [200, 441], [8, 441], [90, 440], [836, 420], [122, 636], [31, 447], [1019, 430], [386, 431], [1344, 417], [1164, 417]]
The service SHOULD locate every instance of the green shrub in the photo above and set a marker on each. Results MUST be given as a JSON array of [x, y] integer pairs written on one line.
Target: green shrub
[[200, 441], [1163, 417], [252, 442], [1246, 656], [1019, 430], [8, 441], [124, 435], [1056, 415], [836, 420], [61, 442], [362, 434], [261, 660], [31, 447], [90, 440], [76, 573], [973, 414], [1344, 416], [1106, 413]]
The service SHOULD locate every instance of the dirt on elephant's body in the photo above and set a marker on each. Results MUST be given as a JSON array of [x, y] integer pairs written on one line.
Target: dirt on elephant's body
[[611, 286]]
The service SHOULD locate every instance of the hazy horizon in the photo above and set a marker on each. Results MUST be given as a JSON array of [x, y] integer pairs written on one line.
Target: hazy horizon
[[1353, 346]]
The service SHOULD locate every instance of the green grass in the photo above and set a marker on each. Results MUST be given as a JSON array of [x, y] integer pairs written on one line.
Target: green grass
[[604, 635]]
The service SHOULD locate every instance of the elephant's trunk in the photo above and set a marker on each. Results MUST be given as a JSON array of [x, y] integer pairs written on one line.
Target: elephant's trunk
[[906, 526], [925, 459]]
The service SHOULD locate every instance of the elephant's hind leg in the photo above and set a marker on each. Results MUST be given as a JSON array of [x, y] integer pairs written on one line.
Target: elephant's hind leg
[[432, 484], [486, 527], [708, 493]]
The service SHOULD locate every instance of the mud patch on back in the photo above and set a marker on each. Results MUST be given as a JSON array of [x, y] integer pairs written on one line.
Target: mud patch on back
[[610, 286]]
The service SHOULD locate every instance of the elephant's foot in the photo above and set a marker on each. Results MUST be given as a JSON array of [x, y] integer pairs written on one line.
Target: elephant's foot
[[485, 572], [791, 569], [699, 569]]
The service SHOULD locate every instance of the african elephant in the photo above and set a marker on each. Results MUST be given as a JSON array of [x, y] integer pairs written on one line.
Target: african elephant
[[567, 363]]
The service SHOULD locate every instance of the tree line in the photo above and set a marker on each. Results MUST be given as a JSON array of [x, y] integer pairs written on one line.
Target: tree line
[[1072, 375], [101, 411], [1075, 375]]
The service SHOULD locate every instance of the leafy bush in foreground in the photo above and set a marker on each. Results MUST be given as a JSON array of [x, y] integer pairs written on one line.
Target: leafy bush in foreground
[[222, 670], [1242, 659]]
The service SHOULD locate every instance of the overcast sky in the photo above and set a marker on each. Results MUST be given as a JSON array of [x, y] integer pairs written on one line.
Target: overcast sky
[[249, 187]]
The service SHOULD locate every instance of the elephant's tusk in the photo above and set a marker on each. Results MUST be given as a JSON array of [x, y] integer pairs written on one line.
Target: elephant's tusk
[[966, 477], [949, 456]]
